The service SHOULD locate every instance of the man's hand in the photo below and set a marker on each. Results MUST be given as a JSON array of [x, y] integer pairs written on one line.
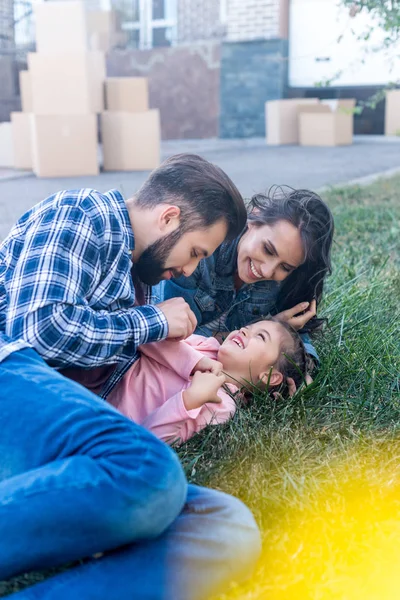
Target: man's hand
[[208, 365], [204, 388], [296, 320], [180, 318]]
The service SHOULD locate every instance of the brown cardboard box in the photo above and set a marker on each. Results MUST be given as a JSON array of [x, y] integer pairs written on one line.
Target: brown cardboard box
[[131, 141], [281, 120], [102, 27], [127, 94], [67, 83], [25, 88], [6, 145], [22, 139], [329, 123], [64, 145], [392, 112], [105, 42], [61, 27]]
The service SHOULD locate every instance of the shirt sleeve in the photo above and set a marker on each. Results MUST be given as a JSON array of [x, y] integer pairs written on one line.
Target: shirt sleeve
[[182, 287], [309, 348], [57, 271], [181, 357], [173, 423]]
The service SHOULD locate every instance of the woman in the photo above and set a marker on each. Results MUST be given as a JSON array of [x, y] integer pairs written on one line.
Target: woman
[[276, 266]]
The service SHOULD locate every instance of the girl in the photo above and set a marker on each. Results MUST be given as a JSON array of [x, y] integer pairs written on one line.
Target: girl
[[175, 388], [276, 266]]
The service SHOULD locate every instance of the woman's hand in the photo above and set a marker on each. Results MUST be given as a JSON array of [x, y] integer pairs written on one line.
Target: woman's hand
[[296, 320], [204, 388]]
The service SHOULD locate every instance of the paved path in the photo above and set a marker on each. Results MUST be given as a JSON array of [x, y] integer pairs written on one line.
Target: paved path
[[253, 166]]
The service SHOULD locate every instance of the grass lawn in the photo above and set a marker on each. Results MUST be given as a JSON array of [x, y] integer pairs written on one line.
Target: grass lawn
[[322, 471]]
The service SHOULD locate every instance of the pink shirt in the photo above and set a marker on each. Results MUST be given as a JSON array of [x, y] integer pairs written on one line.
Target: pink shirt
[[150, 393]]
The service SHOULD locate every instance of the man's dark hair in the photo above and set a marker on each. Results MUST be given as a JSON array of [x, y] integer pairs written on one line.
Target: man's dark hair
[[202, 191]]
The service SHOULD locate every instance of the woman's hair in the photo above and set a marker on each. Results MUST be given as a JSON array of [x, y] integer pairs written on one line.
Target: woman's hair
[[312, 217]]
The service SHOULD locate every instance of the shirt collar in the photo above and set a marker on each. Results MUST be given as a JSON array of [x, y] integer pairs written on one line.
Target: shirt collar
[[118, 201]]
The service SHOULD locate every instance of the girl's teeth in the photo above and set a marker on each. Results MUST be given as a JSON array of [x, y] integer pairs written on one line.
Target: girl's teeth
[[239, 344], [253, 270]]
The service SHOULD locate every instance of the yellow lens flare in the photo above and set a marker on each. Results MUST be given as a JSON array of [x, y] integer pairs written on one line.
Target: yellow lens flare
[[338, 541]]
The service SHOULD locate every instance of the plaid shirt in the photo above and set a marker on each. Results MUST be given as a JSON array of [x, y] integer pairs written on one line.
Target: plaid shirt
[[66, 287]]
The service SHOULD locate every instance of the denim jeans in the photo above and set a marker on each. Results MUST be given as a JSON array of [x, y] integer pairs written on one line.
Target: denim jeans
[[77, 478]]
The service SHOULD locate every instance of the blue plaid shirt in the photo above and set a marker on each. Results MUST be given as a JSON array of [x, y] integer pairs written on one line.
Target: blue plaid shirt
[[66, 287]]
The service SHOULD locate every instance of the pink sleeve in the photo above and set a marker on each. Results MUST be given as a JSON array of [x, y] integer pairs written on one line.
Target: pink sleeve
[[180, 357], [208, 346], [172, 422]]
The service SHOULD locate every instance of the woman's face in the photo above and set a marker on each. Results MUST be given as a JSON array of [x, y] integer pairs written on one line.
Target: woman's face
[[269, 252]]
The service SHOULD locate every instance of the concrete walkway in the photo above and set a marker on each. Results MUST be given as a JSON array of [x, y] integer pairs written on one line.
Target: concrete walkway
[[253, 166]]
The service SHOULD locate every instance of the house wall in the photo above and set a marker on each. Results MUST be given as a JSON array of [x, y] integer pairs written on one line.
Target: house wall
[[184, 84]]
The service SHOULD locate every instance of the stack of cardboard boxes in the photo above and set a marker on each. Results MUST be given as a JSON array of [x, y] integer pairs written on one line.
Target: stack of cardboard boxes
[[61, 94], [310, 122], [104, 30], [130, 131], [392, 113], [6, 145]]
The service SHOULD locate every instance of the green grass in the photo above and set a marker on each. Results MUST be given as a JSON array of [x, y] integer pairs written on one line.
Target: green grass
[[321, 471], [292, 462]]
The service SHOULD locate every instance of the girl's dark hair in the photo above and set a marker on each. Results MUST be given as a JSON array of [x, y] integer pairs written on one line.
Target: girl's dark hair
[[292, 361], [312, 217]]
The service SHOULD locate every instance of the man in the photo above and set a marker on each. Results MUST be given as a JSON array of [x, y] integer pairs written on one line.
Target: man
[[66, 285], [76, 477]]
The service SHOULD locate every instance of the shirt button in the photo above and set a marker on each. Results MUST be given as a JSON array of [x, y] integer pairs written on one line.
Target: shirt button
[[256, 311]]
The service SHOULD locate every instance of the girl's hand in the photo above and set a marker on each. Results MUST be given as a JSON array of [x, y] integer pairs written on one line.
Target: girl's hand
[[204, 388], [208, 365], [296, 320]]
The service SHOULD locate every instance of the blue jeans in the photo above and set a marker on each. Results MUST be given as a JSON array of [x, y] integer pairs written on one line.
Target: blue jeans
[[78, 478]]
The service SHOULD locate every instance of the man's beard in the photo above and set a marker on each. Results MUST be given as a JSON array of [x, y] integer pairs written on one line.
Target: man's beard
[[151, 265]]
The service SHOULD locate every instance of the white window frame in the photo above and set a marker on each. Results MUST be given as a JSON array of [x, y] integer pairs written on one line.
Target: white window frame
[[146, 24], [223, 11]]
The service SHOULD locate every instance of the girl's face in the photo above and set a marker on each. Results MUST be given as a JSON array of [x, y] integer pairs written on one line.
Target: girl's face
[[269, 252], [249, 353]]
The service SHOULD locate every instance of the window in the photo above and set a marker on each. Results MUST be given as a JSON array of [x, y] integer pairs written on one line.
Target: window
[[149, 23]]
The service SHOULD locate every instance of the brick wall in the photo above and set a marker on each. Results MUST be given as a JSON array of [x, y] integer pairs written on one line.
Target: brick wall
[[253, 20], [198, 20], [183, 83]]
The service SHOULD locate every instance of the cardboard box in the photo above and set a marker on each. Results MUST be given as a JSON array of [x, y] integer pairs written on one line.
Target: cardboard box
[[61, 27], [106, 42], [127, 94], [131, 141], [281, 120], [22, 139], [67, 83], [329, 123], [6, 145], [25, 88], [392, 112], [103, 28], [64, 145]]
